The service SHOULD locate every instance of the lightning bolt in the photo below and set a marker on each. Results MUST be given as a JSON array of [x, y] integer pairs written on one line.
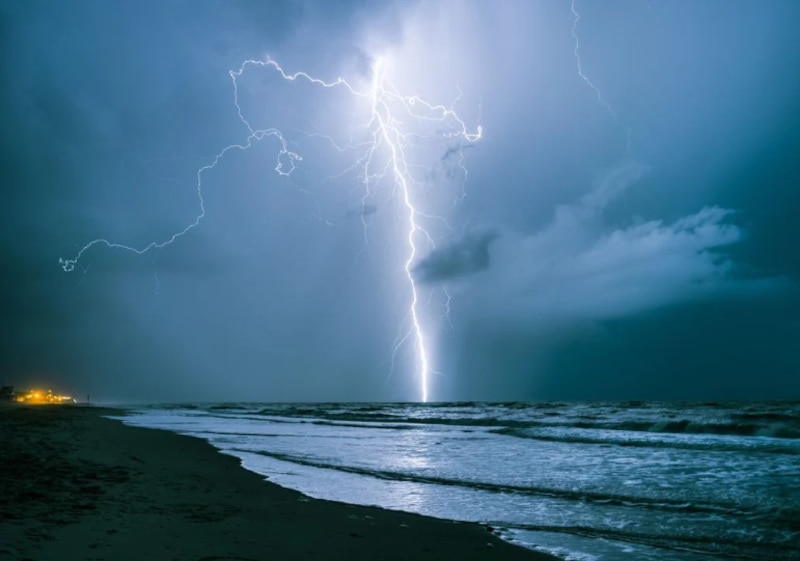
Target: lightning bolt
[[382, 156], [285, 156], [576, 17], [387, 131]]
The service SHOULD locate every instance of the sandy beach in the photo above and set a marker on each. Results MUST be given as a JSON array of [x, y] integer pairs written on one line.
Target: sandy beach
[[77, 486]]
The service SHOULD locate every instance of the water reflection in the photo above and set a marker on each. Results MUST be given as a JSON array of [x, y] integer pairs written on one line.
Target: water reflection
[[412, 450], [600, 471]]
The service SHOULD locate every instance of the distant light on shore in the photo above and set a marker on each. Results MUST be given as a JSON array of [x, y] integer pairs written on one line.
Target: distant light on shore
[[38, 397]]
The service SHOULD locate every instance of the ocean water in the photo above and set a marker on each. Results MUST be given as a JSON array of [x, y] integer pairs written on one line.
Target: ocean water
[[584, 481]]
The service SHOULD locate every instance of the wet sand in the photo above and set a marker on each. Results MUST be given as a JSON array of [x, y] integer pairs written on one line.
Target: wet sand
[[77, 486]]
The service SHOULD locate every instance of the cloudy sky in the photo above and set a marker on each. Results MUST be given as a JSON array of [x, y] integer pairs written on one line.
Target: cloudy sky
[[624, 227]]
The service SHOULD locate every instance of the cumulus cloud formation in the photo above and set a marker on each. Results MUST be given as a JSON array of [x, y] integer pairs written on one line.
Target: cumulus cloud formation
[[578, 266], [465, 256]]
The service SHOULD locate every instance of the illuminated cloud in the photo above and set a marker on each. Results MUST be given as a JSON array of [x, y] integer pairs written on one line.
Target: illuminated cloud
[[578, 266]]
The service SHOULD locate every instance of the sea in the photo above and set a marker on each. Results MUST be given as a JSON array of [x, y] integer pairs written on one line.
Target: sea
[[584, 481]]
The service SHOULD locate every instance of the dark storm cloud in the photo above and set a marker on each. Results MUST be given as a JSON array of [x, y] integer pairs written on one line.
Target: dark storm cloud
[[464, 256], [671, 272], [107, 112], [362, 211], [366, 210]]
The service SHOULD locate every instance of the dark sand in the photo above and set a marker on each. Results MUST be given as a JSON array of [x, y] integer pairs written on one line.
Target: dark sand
[[77, 486]]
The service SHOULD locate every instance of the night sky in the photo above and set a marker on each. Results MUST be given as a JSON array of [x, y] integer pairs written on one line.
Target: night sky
[[626, 234]]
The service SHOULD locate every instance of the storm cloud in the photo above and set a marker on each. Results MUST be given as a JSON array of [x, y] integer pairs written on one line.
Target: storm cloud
[[467, 255], [633, 235], [579, 265]]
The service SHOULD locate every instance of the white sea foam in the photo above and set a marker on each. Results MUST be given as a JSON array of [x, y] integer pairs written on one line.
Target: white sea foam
[[585, 481]]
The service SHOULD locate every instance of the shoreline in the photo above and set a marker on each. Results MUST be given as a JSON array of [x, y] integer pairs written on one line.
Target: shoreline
[[77, 485]]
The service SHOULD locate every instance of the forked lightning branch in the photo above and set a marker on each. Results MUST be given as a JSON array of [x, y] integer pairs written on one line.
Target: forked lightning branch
[[384, 157]]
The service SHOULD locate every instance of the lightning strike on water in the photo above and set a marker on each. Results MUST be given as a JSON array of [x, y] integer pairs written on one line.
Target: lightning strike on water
[[576, 51], [386, 134]]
